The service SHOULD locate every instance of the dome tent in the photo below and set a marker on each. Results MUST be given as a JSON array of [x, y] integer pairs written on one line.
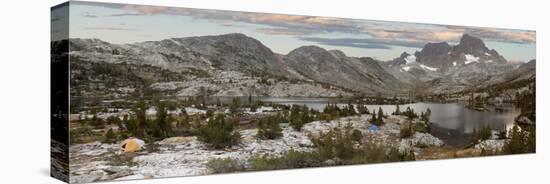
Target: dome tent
[[131, 145]]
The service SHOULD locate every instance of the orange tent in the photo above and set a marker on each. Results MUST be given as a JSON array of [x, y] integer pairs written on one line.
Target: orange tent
[[131, 145]]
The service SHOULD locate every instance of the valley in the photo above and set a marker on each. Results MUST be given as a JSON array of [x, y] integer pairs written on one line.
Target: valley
[[228, 103]]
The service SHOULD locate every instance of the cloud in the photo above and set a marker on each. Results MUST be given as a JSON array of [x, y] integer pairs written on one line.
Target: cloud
[[145, 10], [283, 31], [298, 25], [89, 15], [231, 25], [415, 35], [494, 34], [111, 29], [363, 43], [124, 14]]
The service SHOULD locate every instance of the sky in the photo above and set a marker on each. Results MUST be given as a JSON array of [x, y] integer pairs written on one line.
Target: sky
[[383, 40]]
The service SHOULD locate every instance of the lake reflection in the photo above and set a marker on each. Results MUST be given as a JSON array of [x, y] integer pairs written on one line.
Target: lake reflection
[[450, 116]]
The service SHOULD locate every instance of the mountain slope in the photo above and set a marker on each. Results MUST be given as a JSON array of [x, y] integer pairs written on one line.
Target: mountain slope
[[238, 52], [334, 67], [436, 68]]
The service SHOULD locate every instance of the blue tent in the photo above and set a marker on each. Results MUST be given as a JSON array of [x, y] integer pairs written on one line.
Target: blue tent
[[374, 128]]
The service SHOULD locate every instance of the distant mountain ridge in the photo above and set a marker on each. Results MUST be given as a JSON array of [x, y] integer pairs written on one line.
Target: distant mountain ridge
[[439, 67]]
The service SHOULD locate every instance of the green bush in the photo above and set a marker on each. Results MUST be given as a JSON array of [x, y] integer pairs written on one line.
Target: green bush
[[406, 131], [335, 144], [361, 108], [268, 127], [97, 123], [291, 159], [410, 113], [110, 137], [299, 115], [226, 165], [421, 127], [376, 152], [356, 135], [481, 135], [218, 133]]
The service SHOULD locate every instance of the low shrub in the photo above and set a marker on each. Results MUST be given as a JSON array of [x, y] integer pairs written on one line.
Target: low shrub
[[481, 135], [406, 131], [110, 137], [218, 133], [268, 127], [226, 165], [291, 159]]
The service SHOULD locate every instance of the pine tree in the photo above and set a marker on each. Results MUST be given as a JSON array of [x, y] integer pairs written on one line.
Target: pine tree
[[362, 108], [516, 143], [428, 112], [397, 111], [295, 118], [235, 105], [373, 117], [163, 121], [352, 109], [141, 118], [305, 118], [380, 113]]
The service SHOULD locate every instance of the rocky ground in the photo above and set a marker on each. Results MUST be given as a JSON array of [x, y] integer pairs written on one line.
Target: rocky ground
[[233, 83], [186, 156]]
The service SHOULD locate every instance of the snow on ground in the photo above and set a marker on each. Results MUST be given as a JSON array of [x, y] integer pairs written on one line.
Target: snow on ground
[[406, 68]]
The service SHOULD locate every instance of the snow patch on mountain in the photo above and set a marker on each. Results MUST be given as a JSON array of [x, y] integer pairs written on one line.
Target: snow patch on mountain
[[175, 42], [410, 59], [429, 68], [470, 59]]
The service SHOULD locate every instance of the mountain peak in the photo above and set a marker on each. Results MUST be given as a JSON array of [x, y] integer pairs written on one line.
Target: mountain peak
[[471, 45], [404, 55], [338, 53], [432, 49], [235, 35], [307, 49], [469, 38]]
